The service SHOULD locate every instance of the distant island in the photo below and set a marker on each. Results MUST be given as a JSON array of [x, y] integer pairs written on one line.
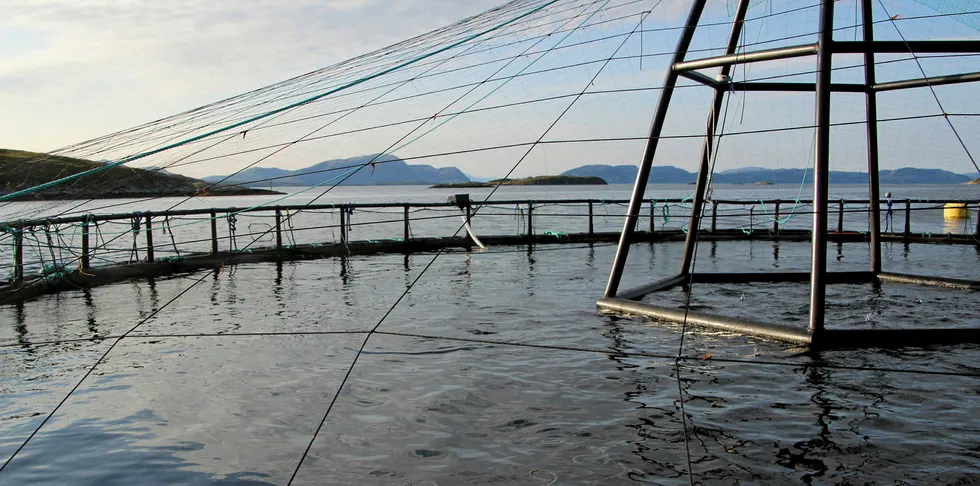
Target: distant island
[[364, 170], [21, 170], [974, 182], [666, 174], [561, 180]]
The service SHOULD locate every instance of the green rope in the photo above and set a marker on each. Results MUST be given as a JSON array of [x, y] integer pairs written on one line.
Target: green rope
[[267, 114]]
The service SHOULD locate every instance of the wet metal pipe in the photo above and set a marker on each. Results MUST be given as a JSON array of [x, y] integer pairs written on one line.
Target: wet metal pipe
[[707, 149], [821, 168], [764, 55], [923, 82], [656, 127]]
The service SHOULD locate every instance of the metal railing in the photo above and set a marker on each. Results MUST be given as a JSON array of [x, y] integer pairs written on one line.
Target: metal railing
[[45, 246]]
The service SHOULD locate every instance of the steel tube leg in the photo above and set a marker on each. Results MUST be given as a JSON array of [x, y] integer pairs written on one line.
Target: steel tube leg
[[818, 264], [636, 201], [874, 193], [697, 205]]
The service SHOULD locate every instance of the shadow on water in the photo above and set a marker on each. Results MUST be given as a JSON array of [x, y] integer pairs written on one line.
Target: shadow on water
[[124, 451]]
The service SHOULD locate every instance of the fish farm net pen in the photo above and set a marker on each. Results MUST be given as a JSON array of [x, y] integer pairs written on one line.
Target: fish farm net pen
[[521, 86]]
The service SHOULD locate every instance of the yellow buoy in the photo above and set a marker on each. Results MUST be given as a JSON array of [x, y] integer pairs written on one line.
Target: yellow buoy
[[956, 211]]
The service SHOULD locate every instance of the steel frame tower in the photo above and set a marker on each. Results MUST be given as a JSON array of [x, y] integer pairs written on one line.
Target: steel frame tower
[[824, 49]]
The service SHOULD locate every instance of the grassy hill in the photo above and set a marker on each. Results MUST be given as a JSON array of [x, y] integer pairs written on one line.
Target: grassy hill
[[21, 170]]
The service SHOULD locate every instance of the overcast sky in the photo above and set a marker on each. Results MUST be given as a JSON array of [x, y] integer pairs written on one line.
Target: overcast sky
[[72, 70]]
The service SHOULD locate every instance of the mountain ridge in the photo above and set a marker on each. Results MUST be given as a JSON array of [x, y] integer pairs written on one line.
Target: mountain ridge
[[666, 174]]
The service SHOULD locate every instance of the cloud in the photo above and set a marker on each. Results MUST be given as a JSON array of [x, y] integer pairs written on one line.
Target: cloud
[[74, 70]]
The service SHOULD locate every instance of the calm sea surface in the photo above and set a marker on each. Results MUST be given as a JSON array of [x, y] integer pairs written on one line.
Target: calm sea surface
[[226, 383]]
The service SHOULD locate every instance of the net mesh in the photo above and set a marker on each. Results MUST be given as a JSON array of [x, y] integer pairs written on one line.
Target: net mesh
[[529, 88], [966, 12]]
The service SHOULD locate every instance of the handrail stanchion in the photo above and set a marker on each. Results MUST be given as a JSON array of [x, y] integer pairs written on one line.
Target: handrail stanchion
[[908, 218], [149, 238], [407, 227], [214, 232], [84, 265]]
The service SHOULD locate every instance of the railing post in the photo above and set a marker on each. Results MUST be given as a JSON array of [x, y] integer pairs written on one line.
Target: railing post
[[407, 227], [278, 229], [908, 218], [149, 238], [591, 227], [977, 234], [214, 232], [19, 254], [840, 216], [85, 244], [530, 220], [714, 216], [653, 224], [343, 225], [775, 223]]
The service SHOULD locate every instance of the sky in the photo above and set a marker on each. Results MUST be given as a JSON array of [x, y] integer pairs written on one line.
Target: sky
[[72, 71]]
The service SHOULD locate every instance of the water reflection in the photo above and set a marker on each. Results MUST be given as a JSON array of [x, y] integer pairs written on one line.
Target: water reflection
[[747, 422], [655, 435], [348, 290], [127, 451], [958, 226], [90, 311], [20, 325], [590, 257]]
